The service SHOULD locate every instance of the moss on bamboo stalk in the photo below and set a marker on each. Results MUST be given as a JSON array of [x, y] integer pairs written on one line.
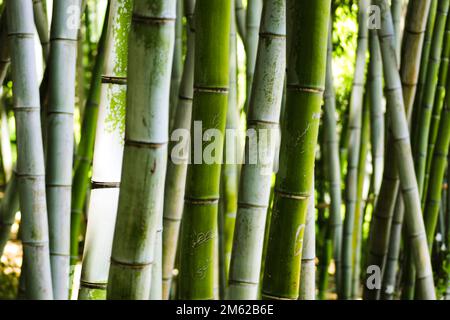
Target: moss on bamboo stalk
[[151, 42], [306, 63], [107, 158]]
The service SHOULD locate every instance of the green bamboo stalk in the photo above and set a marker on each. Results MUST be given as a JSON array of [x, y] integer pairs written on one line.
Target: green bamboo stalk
[[211, 80], [107, 158], [377, 132], [140, 208], [85, 150], [331, 140], [431, 15], [5, 143], [426, 106], [8, 209], [240, 19], [230, 168], [253, 20], [177, 63], [438, 102], [177, 166], [5, 58], [255, 184], [438, 166], [308, 264], [156, 288], [361, 196], [30, 155], [415, 24], [41, 21], [306, 71], [396, 10], [355, 114], [395, 237], [62, 63], [399, 129]]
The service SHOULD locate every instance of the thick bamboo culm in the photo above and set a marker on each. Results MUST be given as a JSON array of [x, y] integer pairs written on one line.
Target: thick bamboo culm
[[30, 154], [140, 208], [306, 70], [211, 80], [255, 182], [104, 193]]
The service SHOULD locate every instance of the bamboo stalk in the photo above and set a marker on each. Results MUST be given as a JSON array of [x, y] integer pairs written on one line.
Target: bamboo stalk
[[5, 58], [140, 207], [85, 150], [41, 21], [308, 264], [377, 131], [396, 10], [263, 114], [8, 209], [438, 101], [426, 105], [62, 63], [211, 80], [306, 61], [438, 166], [107, 158], [176, 170], [253, 20], [399, 129], [333, 161], [177, 63], [240, 19], [30, 155], [355, 118], [230, 167]]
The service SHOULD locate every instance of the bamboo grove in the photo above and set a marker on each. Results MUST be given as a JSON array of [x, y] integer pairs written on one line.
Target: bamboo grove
[[198, 149]]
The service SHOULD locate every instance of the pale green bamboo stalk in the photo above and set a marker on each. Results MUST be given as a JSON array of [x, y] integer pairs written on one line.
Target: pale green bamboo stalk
[[240, 19], [308, 264], [59, 160], [211, 80], [85, 149], [177, 164], [306, 69], [396, 10], [429, 93], [151, 43], [156, 288], [253, 20], [255, 181], [377, 131], [108, 152], [5, 142], [355, 118], [361, 196], [413, 38], [177, 63], [41, 21], [30, 154], [405, 164], [331, 141], [395, 238]]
